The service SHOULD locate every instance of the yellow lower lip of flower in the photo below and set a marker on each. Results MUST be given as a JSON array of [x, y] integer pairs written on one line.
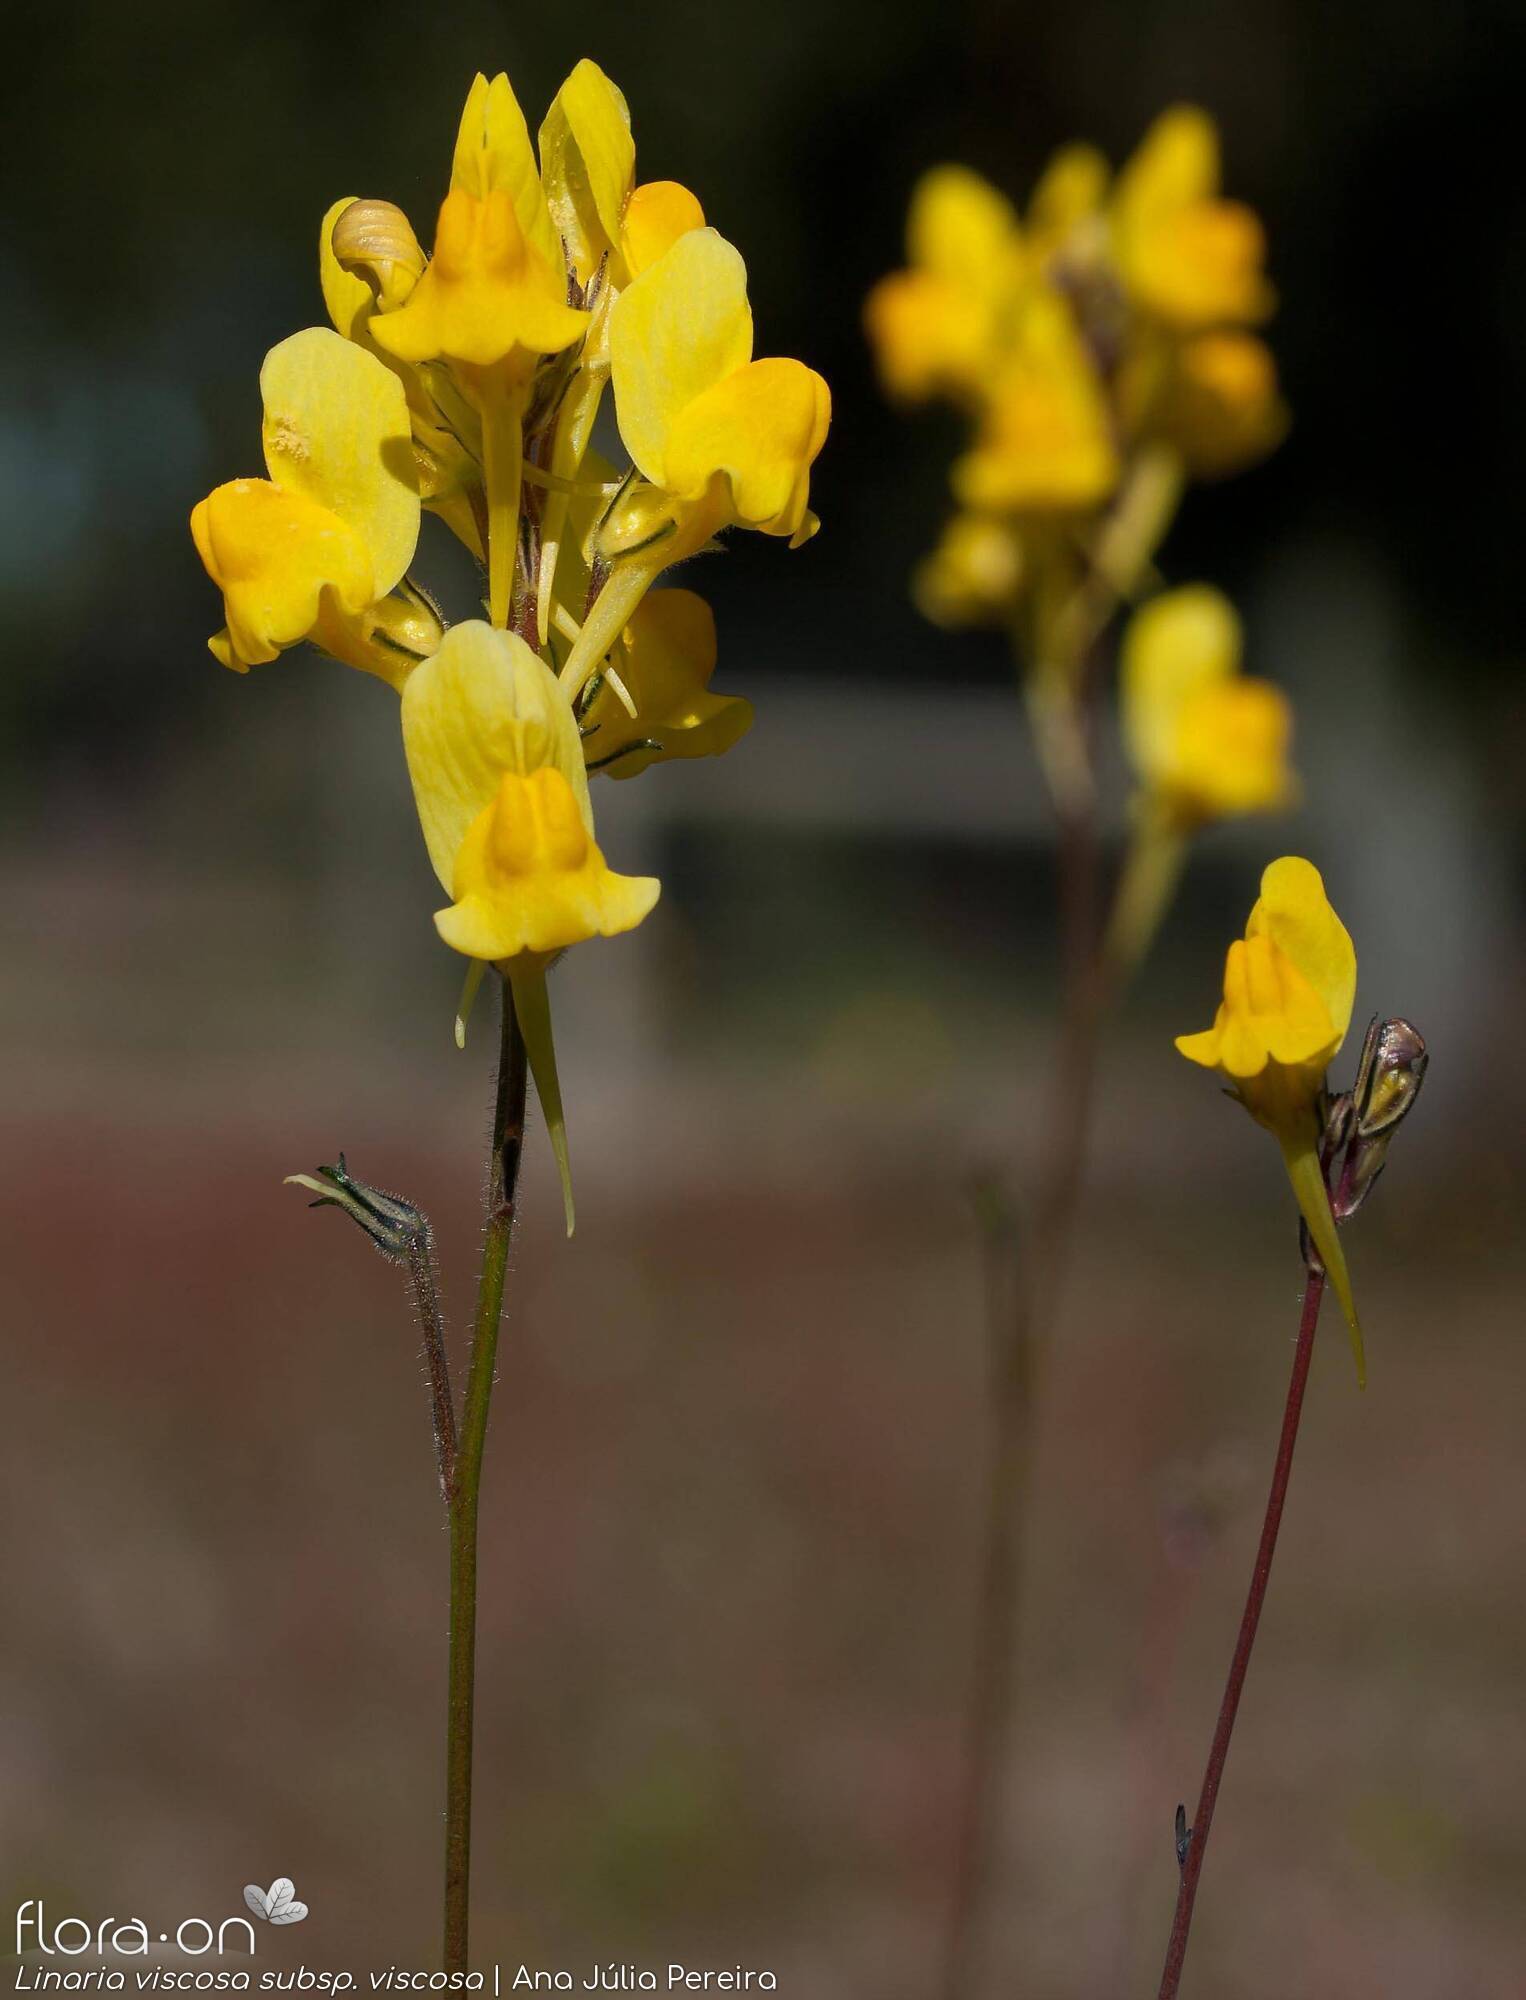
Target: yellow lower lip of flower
[[485, 296], [273, 553], [1201, 266], [1228, 752], [761, 428], [1270, 1016], [530, 877]]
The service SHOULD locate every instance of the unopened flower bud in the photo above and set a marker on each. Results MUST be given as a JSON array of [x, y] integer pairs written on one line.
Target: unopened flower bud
[[637, 516], [375, 240], [1393, 1066], [395, 1226]]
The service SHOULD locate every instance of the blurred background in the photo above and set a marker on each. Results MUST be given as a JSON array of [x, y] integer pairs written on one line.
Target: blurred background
[[733, 1489]]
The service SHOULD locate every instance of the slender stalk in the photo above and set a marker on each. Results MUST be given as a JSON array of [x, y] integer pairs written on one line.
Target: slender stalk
[[503, 1180], [989, 1711], [1197, 1841], [426, 1299], [1055, 640], [1017, 1336]]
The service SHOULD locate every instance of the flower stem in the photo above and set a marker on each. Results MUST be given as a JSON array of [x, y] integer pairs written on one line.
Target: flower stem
[[503, 1179], [1197, 1840], [1016, 1361], [989, 1711], [426, 1298]]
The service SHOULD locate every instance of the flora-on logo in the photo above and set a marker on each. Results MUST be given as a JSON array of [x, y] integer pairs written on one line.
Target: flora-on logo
[[278, 1904]]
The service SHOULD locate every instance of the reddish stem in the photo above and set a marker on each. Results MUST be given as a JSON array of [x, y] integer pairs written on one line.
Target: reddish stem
[[1192, 1867]]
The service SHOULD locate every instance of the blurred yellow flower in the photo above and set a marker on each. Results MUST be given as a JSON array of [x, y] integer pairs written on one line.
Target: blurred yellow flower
[[974, 574], [1046, 443], [1289, 987], [1212, 398], [1097, 344], [315, 550], [1186, 255], [1206, 741], [938, 326]]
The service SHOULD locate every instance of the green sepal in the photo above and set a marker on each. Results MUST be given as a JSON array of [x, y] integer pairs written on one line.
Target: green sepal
[[532, 1009], [1301, 1158]]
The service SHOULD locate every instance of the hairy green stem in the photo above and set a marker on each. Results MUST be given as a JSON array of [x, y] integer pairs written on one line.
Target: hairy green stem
[[503, 1181]]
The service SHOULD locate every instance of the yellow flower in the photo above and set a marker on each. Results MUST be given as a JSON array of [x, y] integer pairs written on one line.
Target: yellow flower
[[937, 327], [1212, 398], [717, 438], [611, 230], [1068, 198], [315, 550], [664, 661], [722, 437], [1207, 742], [974, 575], [495, 290], [369, 262], [497, 768], [486, 297], [657, 214], [1289, 986], [1188, 257], [588, 168], [530, 878], [492, 301], [1046, 443]]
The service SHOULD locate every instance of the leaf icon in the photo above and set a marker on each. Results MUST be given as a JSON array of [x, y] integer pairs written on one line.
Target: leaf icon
[[277, 1906]]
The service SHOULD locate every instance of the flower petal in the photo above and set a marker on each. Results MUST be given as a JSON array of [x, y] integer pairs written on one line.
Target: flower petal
[[657, 214], [493, 156], [961, 229], [679, 329], [336, 432], [273, 553], [484, 704], [347, 296], [1172, 647], [665, 662], [588, 162], [1294, 912], [762, 427], [530, 877]]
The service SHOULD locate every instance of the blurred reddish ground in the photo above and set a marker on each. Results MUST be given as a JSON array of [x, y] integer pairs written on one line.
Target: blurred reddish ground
[[729, 1523]]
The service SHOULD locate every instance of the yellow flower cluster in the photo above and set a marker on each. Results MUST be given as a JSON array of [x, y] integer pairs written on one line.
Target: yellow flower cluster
[[1102, 347], [466, 384], [1107, 330]]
